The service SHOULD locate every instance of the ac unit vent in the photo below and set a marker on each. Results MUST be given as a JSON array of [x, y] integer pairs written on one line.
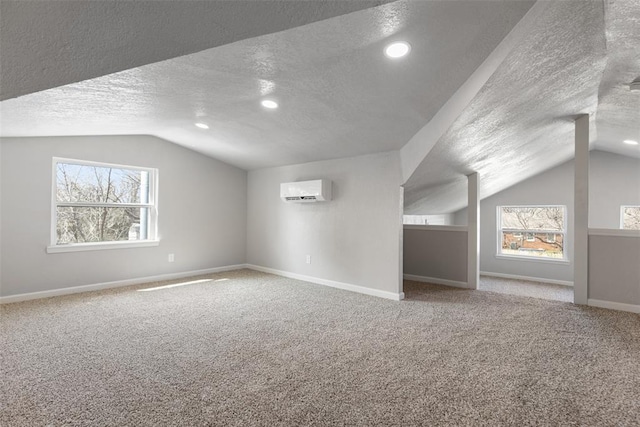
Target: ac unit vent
[[301, 198], [306, 191]]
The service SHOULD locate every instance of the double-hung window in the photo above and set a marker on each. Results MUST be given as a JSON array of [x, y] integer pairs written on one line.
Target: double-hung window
[[532, 231], [101, 205]]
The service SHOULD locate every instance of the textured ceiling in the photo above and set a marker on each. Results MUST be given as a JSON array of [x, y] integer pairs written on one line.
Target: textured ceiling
[[339, 95], [46, 43], [618, 116], [521, 122]]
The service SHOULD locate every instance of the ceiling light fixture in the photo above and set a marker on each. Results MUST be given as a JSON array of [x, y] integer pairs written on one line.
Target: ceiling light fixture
[[271, 105], [202, 126], [630, 142], [397, 50]]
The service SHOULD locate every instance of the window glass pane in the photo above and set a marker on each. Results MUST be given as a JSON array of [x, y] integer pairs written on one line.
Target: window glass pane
[[88, 224], [631, 218], [533, 217], [548, 245], [99, 184]]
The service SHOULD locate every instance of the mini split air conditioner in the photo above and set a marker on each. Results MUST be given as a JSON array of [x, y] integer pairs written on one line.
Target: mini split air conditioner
[[318, 190]]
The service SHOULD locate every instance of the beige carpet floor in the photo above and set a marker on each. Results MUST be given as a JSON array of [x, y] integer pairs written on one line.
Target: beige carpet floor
[[526, 288], [257, 349]]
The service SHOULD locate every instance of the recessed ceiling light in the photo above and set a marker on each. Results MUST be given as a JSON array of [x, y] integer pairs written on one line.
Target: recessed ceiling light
[[267, 103], [397, 49], [630, 142], [202, 126]]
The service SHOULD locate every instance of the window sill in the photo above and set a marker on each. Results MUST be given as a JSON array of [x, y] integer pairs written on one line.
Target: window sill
[[534, 259], [82, 247]]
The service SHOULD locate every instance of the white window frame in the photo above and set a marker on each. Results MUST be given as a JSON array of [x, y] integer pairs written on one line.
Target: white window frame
[[524, 257], [152, 205], [622, 208]]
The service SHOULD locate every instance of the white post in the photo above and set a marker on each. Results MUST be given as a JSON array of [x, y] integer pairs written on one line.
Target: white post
[[144, 212], [401, 248], [473, 231], [581, 211]]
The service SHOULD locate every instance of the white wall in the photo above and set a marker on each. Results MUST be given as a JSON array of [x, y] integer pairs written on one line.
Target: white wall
[[201, 203], [613, 180], [353, 239], [438, 219]]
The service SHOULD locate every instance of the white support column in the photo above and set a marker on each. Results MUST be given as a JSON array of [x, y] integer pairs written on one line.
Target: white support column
[[401, 244], [473, 231], [581, 212]]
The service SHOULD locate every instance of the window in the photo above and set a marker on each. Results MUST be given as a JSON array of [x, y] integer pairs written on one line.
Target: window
[[98, 204], [532, 231], [441, 219], [630, 217]]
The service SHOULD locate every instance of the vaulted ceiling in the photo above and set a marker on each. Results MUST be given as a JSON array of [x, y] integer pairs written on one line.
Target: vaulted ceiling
[[46, 44], [339, 95], [578, 58], [502, 80]]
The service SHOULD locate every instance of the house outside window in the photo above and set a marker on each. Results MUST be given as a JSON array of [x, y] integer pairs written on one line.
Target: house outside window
[[630, 217], [100, 203], [532, 232]]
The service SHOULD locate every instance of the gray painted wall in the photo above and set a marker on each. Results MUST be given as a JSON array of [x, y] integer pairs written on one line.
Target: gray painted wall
[[614, 180], [614, 269], [202, 213], [354, 238], [1, 217], [435, 253]]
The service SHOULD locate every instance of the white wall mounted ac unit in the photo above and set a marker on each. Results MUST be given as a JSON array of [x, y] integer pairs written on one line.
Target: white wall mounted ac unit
[[318, 190]]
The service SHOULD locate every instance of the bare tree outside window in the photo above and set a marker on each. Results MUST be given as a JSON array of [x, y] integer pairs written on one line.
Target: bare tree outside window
[[630, 218], [533, 218], [532, 231], [100, 203]]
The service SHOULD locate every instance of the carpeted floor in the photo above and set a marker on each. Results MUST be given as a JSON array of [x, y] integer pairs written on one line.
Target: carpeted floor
[[264, 350], [526, 288]]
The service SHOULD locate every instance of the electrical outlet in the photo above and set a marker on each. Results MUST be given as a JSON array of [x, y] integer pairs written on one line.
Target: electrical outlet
[[172, 257], [308, 259]]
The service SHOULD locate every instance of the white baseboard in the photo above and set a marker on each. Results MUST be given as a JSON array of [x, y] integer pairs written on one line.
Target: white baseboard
[[633, 308], [331, 283], [437, 281], [529, 278], [115, 284]]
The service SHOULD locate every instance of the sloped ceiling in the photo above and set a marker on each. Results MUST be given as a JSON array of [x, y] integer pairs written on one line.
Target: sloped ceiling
[[521, 121], [46, 44], [339, 95], [618, 115]]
